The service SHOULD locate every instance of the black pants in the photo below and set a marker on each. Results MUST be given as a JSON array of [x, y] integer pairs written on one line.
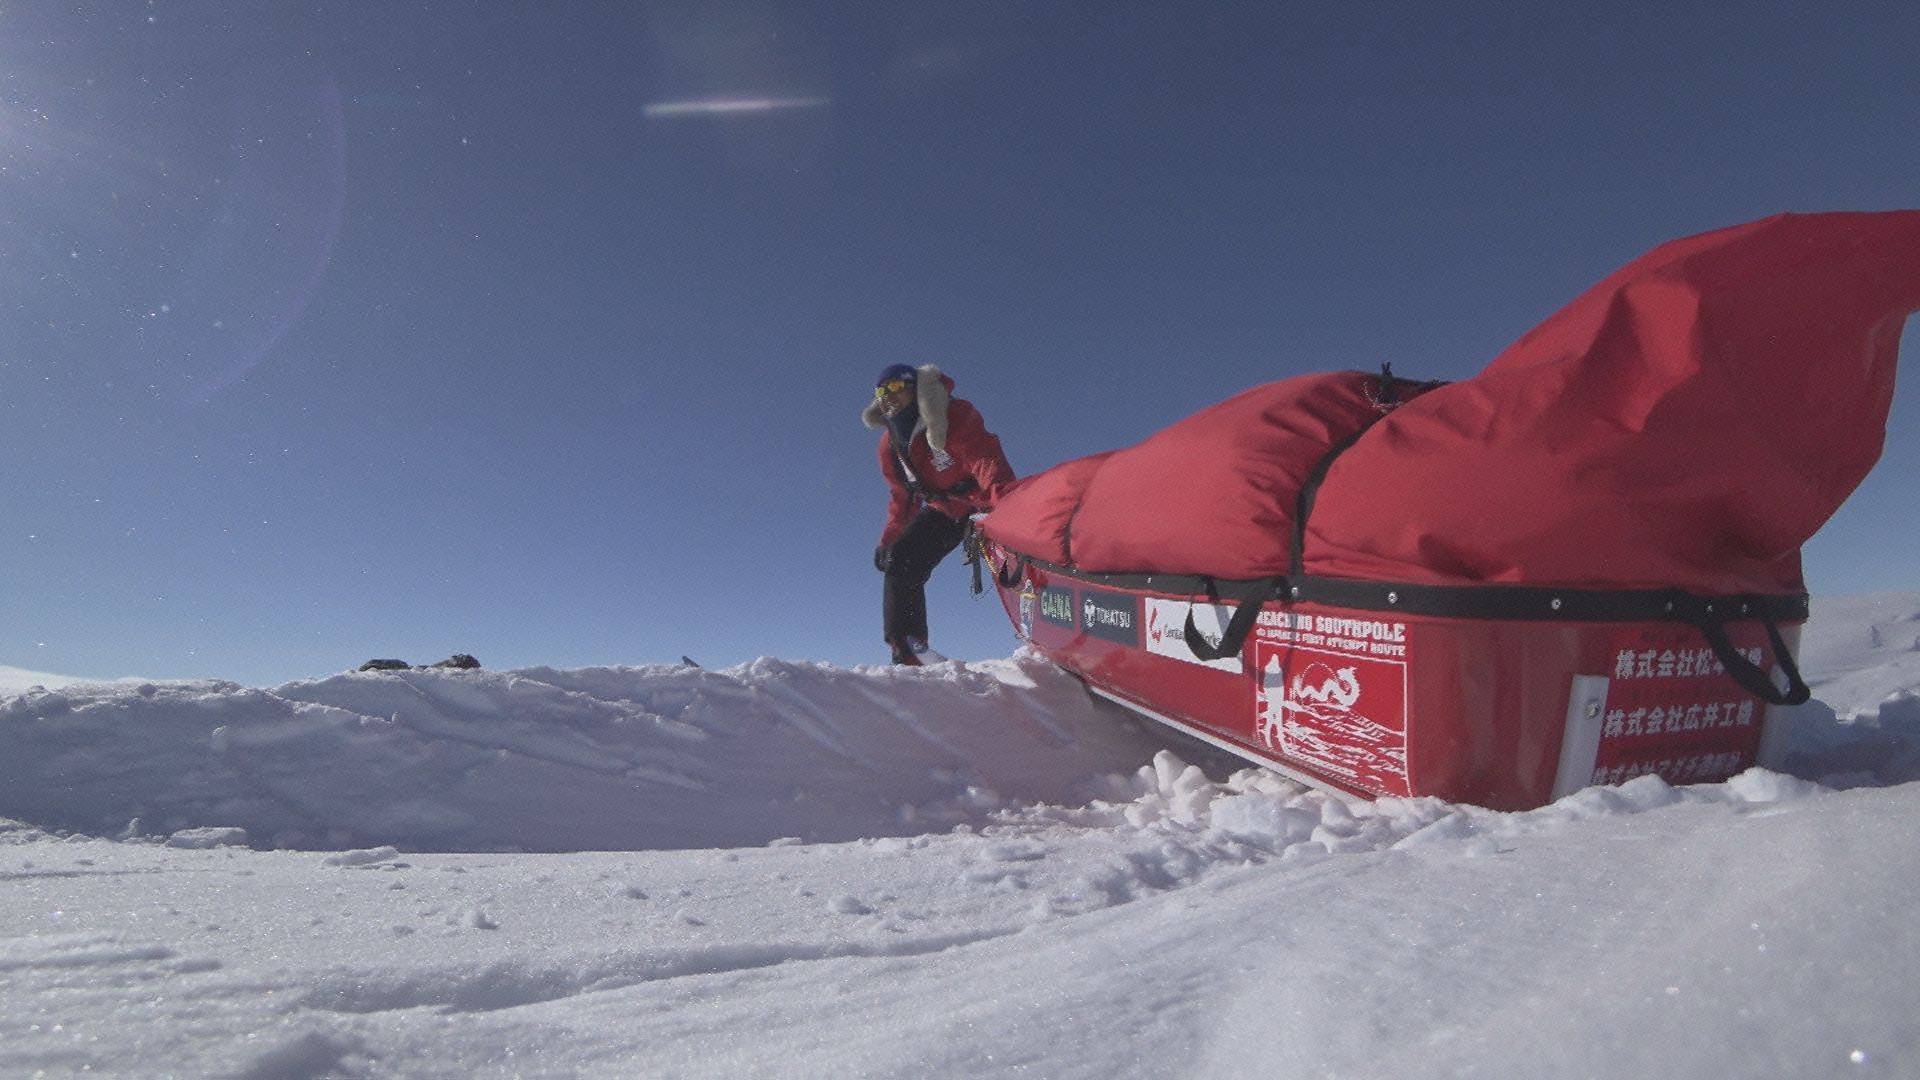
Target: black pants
[[927, 539]]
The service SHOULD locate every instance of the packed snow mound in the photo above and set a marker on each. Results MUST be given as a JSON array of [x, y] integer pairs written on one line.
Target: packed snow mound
[[543, 760], [1861, 657], [1182, 824], [661, 757]]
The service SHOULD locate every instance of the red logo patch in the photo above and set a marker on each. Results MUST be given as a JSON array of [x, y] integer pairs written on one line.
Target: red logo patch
[[1337, 712]]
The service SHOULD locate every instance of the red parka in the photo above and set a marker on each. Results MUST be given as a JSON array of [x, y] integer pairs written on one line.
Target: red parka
[[955, 462]]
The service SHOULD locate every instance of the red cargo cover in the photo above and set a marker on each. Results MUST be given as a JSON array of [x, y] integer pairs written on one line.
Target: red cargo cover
[[1687, 423], [1208, 495]]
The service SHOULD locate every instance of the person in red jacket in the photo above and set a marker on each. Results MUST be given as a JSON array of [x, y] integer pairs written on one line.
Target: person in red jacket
[[942, 466]]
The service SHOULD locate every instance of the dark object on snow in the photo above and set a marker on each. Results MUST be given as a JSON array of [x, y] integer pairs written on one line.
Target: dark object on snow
[[458, 660], [689, 661]]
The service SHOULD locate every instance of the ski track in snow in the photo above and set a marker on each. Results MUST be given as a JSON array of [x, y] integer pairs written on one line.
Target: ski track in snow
[[907, 720], [812, 722], [753, 894]]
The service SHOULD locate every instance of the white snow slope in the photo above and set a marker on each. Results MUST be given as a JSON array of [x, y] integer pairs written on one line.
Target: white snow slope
[[974, 869]]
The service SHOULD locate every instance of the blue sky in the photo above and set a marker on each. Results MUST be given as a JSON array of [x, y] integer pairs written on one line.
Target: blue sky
[[340, 330]]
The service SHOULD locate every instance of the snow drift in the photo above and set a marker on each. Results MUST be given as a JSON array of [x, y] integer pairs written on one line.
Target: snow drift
[[669, 756], [546, 760]]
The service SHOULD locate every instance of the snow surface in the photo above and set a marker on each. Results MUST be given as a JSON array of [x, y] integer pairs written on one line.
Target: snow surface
[[1862, 650], [970, 869]]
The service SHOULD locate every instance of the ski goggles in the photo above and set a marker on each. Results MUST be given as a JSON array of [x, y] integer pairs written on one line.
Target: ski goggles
[[891, 386]]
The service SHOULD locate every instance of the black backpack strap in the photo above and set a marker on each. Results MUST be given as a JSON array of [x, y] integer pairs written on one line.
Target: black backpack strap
[[903, 471], [926, 492]]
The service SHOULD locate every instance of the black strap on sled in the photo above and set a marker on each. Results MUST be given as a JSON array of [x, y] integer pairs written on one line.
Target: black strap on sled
[[1709, 617], [1011, 570], [1238, 627], [1517, 603], [1386, 397], [1310, 490]]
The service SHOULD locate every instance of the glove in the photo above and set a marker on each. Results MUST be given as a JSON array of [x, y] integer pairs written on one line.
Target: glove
[[882, 558]]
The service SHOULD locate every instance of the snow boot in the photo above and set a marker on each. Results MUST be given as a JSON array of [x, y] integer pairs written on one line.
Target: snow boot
[[913, 652]]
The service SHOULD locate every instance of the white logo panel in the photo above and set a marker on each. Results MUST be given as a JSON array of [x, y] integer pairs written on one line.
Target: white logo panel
[[1167, 630]]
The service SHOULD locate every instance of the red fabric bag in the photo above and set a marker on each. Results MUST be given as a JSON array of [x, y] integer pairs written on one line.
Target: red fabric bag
[[1689, 422]]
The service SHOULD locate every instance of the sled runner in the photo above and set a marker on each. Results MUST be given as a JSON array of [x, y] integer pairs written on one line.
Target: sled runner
[[1579, 566]]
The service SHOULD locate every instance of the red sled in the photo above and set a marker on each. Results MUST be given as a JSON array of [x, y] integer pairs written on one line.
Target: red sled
[[1579, 566]]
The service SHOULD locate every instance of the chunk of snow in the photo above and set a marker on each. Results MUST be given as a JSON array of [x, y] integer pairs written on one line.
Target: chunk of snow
[[848, 905], [208, 837], [362, 857]]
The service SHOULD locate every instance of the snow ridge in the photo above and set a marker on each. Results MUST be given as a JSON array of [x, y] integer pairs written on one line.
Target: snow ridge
[[663, 757], [543, 760]]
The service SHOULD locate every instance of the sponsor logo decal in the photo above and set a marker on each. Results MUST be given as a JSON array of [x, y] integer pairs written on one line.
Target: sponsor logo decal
[[1338, 689], [1029, 600], [1332, 695], [1672, 709], [1056, 606], [1166, 630], [1110, 616]]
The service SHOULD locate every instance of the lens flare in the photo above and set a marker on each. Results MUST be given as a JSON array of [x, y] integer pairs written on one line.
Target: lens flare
[[730, 106]]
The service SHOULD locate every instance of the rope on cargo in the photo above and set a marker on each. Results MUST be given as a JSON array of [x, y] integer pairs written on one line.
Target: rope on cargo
[[1386, 397]]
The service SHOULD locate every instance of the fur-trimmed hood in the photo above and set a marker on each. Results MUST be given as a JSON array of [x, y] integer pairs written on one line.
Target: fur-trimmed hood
[[934, 389]]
